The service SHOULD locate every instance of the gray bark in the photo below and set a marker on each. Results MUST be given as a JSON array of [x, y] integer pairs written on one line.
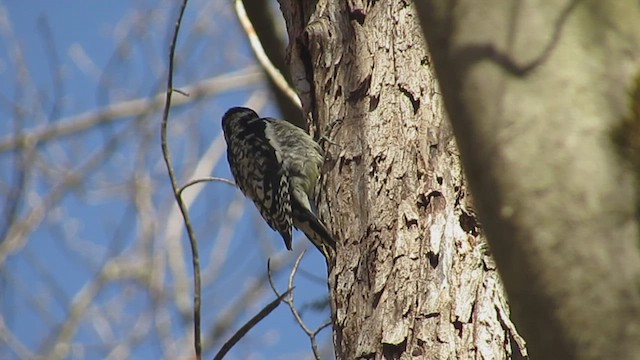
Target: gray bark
[[412, 277]]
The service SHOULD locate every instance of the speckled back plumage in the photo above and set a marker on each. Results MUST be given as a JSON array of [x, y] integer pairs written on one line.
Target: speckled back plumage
[[250, 157], [277, 165]]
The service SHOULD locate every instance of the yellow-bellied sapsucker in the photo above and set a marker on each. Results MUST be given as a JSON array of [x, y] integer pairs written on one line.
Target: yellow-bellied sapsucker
[[277, 165]]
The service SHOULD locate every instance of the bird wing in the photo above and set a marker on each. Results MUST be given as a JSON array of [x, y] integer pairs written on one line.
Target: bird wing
[[260, 177]]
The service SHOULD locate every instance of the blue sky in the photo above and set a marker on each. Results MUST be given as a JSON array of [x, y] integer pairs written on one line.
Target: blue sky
[[82, 55]]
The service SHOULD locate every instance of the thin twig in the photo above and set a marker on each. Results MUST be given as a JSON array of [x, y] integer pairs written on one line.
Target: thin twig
[[250, 324], [174, 184], [16, 236], [205, 179], [182, 92], [175, 256], [129, 109], [311, 334], [252, 291], [322, 327], [296, 314], [13, 343], [262, 57], [273, 286]]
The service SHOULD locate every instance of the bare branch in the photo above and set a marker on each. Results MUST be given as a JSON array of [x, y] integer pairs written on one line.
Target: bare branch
[[11, 341], [262, 57], [130, 108], [252, 292], [207, 179], [290, 302], [174, 184], [115, 268], [250, 324], [16, 235]]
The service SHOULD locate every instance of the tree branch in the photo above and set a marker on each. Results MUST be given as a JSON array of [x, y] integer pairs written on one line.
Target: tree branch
[[290, 302], [174, 184], [130, 108], [262, 57]]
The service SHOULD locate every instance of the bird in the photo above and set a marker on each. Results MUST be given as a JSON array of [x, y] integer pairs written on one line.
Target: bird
[[277, 165]]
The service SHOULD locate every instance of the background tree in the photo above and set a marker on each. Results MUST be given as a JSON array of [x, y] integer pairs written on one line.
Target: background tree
[[535, 91]]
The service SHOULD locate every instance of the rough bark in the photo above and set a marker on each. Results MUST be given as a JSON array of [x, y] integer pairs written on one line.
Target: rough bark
[[412, 277], [534, 89]]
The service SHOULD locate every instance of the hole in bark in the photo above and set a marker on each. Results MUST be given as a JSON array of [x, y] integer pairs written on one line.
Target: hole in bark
[[422, 201], [415, 103], [436, 201], [376, 299], [433, 150], [434, 259], [358, 15], [410, 222], [417, 351], [439, 180], [433, 195], [469, 223], [391, 351], [373, 102], [458, 326]]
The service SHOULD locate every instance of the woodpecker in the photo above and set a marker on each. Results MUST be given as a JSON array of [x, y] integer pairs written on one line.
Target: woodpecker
[[277, 165]]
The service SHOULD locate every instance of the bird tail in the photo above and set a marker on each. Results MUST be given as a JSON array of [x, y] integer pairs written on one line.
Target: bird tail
[[310, 225]]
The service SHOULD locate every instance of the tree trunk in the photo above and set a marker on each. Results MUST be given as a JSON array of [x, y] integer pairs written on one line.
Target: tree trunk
[[412, 277]]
